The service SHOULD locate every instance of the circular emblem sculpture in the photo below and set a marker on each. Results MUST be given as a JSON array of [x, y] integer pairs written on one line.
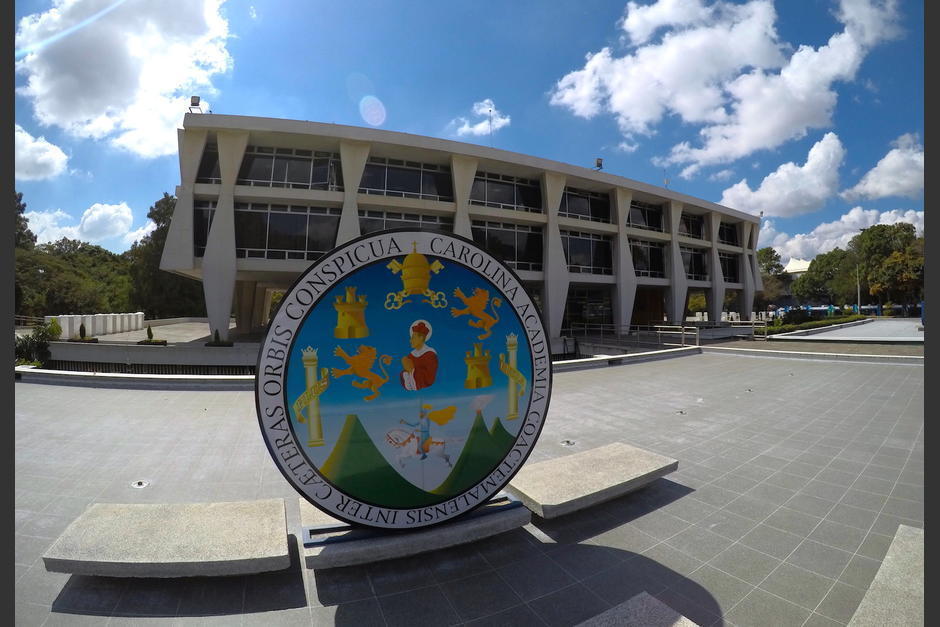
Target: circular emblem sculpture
[[403, 380]]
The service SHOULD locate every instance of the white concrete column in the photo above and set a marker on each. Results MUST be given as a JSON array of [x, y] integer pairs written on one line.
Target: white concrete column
[[99, 324], [66, 323], [178, 249], [257, 313], [715, 296], [353, 156], [625, 294], [218, 263], [750, 277], [555, 266], [678, 282], [463, 170], [244, 304], [89, 321], [140, 320]]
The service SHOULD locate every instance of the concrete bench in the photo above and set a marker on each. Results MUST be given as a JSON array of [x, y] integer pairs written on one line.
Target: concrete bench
[[333, 543], [563, 485], [173, 540], [896, 594], [643, 610]]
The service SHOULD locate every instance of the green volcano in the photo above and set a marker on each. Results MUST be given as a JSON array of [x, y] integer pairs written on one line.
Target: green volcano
[[483, 450], [358, 468]]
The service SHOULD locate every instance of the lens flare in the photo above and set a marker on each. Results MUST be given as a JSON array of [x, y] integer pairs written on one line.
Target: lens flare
[[372, 110], [22, 52]]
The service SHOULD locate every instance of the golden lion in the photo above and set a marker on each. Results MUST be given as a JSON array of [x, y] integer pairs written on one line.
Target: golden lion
[[476, 306], [360, 365]]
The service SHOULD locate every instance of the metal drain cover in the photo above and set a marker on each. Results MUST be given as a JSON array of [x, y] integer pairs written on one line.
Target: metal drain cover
[[140, 483], [567, 442]]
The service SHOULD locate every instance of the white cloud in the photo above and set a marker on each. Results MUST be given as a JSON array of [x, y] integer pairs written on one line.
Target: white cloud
[[135, 236], [641, 22], [37, 159], [722, 67], [126, 75], [792, 190], [99, 222], [683, 74], [830, 235], [721, 175], [252, 12], [899, 173], [493, 119]]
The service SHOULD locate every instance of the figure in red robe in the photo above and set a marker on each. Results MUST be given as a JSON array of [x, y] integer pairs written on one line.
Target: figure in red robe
[[420, 365]]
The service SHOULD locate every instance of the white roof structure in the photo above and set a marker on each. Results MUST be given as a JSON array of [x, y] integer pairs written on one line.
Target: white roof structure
[[797, 266]]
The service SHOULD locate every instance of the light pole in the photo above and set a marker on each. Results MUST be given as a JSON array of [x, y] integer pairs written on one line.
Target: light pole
[[858, 291]]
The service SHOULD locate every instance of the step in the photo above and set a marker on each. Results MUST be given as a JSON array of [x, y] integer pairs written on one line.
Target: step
[[173, 540], [559, 486], [896, 594], [643, 610], [329, 543]]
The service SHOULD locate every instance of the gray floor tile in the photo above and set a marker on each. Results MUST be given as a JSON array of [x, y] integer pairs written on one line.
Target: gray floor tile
[[625, 538], [812, 505], [568, 606], [860, 572], [728, 524], [787, 480], [583, 560], [551, 577], [841, 602], [865, 500], [838, 535], [709, 585], [793, 521], [823, 490], [699, 543], [771, 541], [752, 507], [745, 563], [660, 526], [875, 546], [479, 595], [760, 609], [853, 516], [818, 620], [903, 508], [772, 494], [797, 585], [427, 605], [821, 559], [518, 615]]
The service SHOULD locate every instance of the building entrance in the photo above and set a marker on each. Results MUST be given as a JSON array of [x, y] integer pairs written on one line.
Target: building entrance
[[649, 305]]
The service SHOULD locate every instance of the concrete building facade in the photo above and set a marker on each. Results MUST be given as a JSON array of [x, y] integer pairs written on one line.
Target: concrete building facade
[[259, 199]]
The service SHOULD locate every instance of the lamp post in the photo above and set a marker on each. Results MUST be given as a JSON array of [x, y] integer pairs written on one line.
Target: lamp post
[[858, 291]]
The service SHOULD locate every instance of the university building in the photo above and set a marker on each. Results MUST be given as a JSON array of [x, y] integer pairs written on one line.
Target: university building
[[259, 199]]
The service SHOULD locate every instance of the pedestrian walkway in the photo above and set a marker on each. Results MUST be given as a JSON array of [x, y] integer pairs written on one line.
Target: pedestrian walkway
[[791, 484]]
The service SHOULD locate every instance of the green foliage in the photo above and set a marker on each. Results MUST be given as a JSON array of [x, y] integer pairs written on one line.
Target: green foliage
[[149, 333], [697, 302], [160, 294], [55, 329], [768, 260], [24, 238], [70, 277], [813, 324], [830, 280], [901, 274], [34, 348], [81, 330], [796, 316]]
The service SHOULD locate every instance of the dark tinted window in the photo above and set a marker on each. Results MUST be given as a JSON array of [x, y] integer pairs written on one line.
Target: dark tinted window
[[529, 196], [404, 180], [437, 184], [256, 168], [500, 192], [250, 229], [209, 166], [287, 231], [321, 232]]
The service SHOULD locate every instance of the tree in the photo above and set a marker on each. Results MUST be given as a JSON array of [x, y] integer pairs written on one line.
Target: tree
[[830, 279], [24, 237], [873, 246], [900, 277], [158, 293], [768, 260], [773, 277]]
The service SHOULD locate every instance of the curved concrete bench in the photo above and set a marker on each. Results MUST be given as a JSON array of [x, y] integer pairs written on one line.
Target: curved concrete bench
[[559, 486], [173, 540]]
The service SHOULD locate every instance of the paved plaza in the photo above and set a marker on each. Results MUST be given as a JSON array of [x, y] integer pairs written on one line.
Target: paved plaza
[[794, 475], [887, 329]]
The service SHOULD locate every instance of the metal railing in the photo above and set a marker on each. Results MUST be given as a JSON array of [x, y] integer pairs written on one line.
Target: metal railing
[[758, 327], [637, 332]]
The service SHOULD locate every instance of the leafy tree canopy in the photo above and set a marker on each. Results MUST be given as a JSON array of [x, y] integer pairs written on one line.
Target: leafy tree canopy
[[24, 237], [768, 260]]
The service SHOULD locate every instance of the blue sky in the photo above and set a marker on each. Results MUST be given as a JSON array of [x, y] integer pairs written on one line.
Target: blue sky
[[810, 110]]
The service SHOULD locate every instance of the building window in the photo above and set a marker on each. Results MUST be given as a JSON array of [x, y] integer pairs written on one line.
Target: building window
[[203, 210], [407, 179], [645, 216], [292, 168], [519, 246], [695, 263], [729, 267], [587, 253], [208, 171], [585, 205], [372, 221], [506, 192], [588, 309], [728, 233], [275, 231], [649, 258], [692, 225]]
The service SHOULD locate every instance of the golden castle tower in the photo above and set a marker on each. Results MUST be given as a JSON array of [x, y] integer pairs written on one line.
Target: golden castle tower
[[478, 368], [516, 380], [350, 316], [317, 382]]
